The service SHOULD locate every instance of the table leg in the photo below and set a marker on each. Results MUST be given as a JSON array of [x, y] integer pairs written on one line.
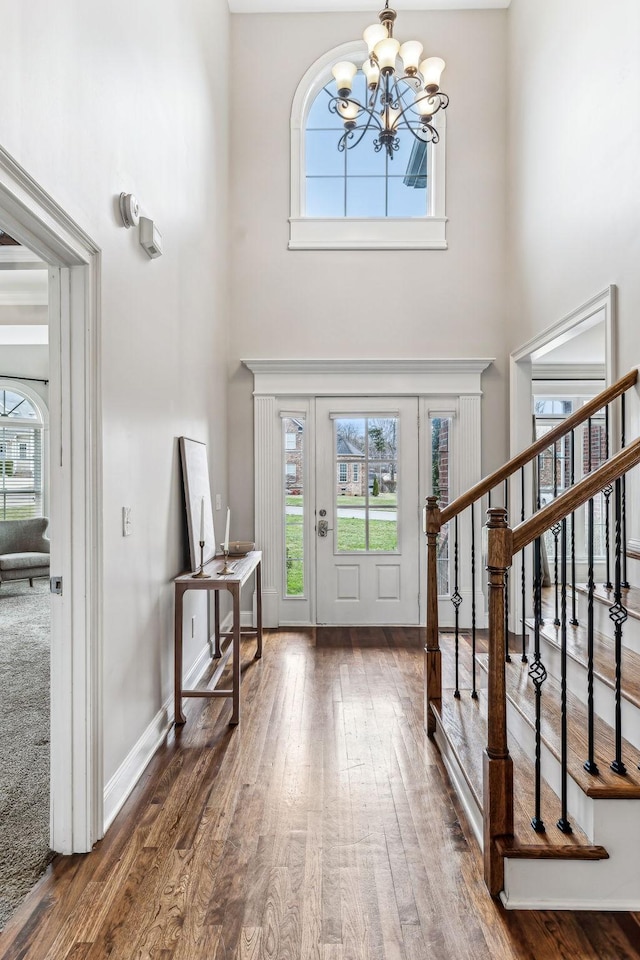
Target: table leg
[[259, 611], [235, 716], [179, 715], [216, 623]]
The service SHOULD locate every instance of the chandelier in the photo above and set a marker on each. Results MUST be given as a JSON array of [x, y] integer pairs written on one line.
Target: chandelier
[[396, 100]]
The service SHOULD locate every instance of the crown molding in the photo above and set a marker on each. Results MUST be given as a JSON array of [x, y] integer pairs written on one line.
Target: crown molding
[[359, 6]]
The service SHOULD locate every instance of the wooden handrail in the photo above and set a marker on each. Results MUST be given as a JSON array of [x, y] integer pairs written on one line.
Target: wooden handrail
[[573, 498], [509, 468]]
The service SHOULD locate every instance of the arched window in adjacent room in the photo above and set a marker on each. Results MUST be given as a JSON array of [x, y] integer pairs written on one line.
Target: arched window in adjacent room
[[360, 198], [22, 454]]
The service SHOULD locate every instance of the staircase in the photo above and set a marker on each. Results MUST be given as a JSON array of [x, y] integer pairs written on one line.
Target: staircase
[[539, 730]]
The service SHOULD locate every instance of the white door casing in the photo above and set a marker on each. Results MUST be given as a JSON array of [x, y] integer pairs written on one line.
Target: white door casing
[[293, 387], [33, 218], [359, 584]]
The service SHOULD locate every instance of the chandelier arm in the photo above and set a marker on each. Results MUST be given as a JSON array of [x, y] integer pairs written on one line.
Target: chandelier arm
[[351, 133]]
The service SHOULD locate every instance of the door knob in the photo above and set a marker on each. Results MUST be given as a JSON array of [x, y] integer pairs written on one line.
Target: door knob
[[323, 528]]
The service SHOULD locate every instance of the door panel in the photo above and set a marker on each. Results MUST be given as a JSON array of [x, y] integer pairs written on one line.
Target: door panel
[[367, 511]]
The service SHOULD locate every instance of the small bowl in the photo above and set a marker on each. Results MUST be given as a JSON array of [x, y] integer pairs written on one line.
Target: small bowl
[[238, 548]]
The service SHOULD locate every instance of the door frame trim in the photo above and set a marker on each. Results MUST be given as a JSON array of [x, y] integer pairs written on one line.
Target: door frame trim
[[36, 220], [278, 379]]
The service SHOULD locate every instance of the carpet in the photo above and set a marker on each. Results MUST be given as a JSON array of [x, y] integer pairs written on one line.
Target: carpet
[[24, 739]]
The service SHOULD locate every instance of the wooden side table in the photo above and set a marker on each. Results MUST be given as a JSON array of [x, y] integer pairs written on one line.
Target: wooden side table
[[228, 643]]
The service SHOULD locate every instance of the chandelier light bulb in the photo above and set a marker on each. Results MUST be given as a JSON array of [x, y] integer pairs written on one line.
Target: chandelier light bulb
[[373, 35], [348, 111], [424, 105], [431, 71], [372, 73], [386, 52], [343, 73], [391, 118], [410, 53]]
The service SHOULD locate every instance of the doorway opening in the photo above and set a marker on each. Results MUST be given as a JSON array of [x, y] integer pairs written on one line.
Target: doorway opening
[[73, 499]]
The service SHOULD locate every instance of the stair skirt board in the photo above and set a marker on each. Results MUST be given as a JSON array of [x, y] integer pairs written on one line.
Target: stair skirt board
[[459, 782]]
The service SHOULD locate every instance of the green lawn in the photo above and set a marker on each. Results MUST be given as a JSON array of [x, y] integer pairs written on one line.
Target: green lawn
[[383, 536], [382, 500]]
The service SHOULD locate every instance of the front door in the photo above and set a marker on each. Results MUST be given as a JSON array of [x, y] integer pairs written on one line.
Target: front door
[[367, 511]]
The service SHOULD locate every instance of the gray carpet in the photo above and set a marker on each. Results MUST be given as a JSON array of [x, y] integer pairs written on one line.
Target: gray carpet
[[24, 740]]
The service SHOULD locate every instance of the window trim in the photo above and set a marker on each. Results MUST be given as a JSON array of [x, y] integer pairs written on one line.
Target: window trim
[[359, 233]]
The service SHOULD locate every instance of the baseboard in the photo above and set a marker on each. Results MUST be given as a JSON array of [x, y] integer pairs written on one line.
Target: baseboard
[[246, 620], [633, 548], [539, 903], [122, 783]]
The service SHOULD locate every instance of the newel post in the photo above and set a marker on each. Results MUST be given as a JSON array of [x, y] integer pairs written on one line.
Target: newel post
[[498, 765], [432, 656]]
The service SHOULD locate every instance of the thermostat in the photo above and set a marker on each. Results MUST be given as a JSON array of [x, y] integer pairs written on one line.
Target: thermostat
[[129, 210], [150, 238]]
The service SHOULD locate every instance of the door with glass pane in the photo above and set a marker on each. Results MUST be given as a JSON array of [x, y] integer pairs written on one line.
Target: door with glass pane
[[367, 511]]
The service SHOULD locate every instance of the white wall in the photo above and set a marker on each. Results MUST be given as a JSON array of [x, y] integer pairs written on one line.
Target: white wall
[[338, 304], [99, 98], [24, 360], [574, 82]]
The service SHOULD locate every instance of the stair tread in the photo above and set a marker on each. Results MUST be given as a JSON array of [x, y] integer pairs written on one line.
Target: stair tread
[[464, 724], [603, 656], [630, 597], [606, 784]]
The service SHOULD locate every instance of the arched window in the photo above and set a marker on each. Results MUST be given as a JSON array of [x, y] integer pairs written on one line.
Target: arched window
[[22, 456], [360, 198]]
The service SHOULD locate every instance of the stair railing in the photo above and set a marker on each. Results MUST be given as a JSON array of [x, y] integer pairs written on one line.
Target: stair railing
[[436, 518], [503, 545], [557, 520]]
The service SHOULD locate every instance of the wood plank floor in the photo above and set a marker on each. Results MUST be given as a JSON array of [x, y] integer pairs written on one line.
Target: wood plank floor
[[323, 828]]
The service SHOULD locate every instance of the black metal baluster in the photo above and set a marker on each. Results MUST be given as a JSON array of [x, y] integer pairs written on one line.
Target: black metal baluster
[[574, 617], [456, 600], [608, 490], [523, 571], [590, 764], [474, 692], [555, 530], [507, 655], [623, 441], [538, 676], [563, 823], [538, 610], [618, 614]]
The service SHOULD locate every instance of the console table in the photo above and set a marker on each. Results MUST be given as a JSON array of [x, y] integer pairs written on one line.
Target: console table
[[227, 643]]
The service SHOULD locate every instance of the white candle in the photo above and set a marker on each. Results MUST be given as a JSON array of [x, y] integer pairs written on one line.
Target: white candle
[[202, 519], [226, 533]]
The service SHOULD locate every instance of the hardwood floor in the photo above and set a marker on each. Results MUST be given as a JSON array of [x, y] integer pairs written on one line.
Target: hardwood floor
[[322, 828]]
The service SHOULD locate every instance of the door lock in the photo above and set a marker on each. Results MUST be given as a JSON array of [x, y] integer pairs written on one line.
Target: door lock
[[323, 528]]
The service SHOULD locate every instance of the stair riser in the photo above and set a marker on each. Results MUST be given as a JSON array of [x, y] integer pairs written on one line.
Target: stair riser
[[603, 623], [604, 697], [612, 884], [579, 805]]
